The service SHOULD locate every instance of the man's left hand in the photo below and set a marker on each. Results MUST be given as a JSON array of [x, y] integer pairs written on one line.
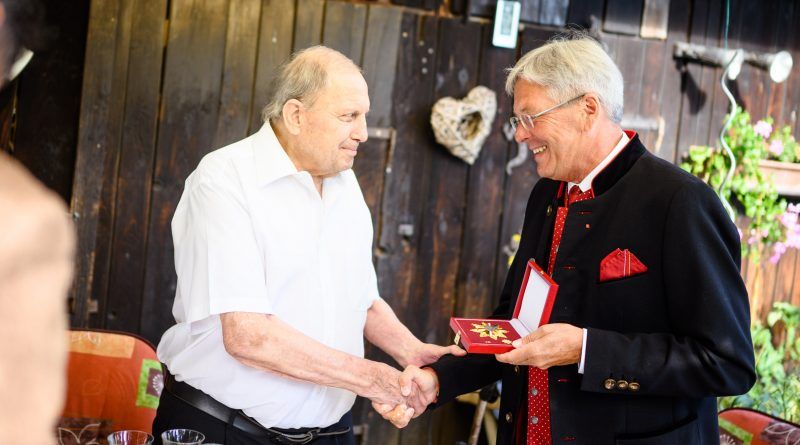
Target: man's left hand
[[551, 345], [427, 353]]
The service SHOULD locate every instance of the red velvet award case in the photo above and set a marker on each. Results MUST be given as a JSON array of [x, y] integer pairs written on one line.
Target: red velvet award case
[[534, 304]]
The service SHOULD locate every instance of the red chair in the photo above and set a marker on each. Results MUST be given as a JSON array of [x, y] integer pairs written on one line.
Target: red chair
[[746, 426], [114, 381]]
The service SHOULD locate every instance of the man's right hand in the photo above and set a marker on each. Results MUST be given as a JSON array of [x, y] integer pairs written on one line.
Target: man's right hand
[[420, 388], [384, 386]]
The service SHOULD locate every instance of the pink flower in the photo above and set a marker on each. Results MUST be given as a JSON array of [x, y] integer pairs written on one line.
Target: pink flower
[[777, 251], [793, 240], [776, 147], [763, 128], [789, 219]]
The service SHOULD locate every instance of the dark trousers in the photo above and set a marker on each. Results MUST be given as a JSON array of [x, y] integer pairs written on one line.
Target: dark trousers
[[175, 413]]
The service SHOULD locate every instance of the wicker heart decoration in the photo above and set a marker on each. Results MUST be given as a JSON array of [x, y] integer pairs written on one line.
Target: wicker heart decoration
[[463, 125]]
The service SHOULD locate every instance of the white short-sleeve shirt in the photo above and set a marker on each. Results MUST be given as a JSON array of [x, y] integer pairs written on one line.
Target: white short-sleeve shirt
[[252, 234]]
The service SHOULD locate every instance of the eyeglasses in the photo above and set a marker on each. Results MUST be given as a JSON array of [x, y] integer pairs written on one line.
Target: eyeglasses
[[526, 120]]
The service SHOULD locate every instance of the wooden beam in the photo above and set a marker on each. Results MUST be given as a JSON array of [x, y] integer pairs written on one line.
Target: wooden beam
[[274, 47], [97, 158], [187, 122], [132, 201]]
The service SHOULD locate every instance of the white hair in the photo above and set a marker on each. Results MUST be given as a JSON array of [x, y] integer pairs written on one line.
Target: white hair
[[571, 65], [303, 77]]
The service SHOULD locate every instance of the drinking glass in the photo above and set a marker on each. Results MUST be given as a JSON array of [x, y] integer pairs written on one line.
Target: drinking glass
[[182, 437], [130, 437]]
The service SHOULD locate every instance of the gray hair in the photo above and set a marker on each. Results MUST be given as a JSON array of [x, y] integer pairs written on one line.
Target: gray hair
[[570, 65], [302, 77]]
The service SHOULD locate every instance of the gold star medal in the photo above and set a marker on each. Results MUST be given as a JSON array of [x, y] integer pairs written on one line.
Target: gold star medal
[[492, 331]]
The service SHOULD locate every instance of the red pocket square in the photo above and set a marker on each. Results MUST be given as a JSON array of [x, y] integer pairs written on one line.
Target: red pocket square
[[620, 264]]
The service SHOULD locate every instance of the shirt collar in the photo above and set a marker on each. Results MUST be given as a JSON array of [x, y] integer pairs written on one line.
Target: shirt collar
[[586, 184], [272, 162]]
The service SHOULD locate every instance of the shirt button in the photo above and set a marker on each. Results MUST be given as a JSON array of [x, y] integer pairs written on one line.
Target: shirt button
[[534, 392], [509, 418], [609, 384], [622, 384], [633, 386], [534, 420]]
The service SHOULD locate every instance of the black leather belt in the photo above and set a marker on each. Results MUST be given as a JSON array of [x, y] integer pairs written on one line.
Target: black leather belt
[[240, 420]]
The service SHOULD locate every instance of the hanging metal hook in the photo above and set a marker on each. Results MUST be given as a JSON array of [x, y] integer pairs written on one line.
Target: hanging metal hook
[[734, 61]]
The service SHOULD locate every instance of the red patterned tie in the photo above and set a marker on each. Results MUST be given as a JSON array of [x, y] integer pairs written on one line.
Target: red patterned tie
[[576, 195], [538, 421]]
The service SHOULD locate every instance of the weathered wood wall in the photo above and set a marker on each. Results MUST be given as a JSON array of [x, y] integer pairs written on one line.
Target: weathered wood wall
[[39, 110], [167, 81]]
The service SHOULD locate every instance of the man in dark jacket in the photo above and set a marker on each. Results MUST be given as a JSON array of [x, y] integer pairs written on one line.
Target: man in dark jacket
[[651, 320]]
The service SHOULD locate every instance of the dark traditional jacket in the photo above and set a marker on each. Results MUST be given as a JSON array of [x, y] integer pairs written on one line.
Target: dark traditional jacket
[[679, 331]]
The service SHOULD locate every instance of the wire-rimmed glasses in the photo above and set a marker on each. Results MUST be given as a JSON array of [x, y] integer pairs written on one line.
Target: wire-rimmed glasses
[[526, 120]]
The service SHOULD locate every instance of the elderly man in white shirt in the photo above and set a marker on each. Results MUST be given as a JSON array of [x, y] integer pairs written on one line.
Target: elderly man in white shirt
[[276, 287]]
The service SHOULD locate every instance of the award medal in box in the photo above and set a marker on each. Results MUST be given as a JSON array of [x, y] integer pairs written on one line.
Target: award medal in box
[[534, 304]]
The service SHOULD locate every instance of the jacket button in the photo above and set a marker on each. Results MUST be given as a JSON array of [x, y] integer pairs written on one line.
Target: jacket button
[[516, 369], [534, 392], [509, 418], [609, 384], [549, 210], [622, 384], [534, 420], [633, 386]]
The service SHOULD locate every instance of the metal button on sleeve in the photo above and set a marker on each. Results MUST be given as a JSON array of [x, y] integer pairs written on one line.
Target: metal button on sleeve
[[622, 384], [609, 384], [633, 386]]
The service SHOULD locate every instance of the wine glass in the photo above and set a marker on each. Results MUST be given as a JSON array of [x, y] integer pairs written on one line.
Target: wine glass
[[130, 437], [181, 436]]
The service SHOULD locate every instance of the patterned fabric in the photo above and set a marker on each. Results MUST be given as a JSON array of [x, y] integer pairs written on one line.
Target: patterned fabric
[[576, 195], [538, 431], [114, 381], [741, 426]]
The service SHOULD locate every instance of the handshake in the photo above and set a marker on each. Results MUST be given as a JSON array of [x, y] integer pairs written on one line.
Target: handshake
[[402, 396], [418, 388]]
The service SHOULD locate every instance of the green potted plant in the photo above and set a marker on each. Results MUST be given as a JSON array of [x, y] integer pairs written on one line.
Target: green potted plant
[[777, 351], [770, 225]]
